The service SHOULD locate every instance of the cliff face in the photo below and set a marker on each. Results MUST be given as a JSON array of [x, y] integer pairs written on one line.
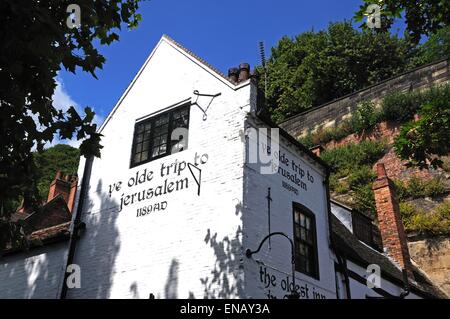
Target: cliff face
[[432, 255], [420, 208]]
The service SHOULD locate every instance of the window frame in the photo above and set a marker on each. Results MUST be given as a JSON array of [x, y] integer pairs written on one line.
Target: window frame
[[315, 273], [152, 119], [360, 221]]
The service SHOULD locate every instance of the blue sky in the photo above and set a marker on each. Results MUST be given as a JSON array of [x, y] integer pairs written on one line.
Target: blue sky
[[224, 33]]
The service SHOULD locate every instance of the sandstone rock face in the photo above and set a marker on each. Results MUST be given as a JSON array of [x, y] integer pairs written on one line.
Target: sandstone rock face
[[433, 257]]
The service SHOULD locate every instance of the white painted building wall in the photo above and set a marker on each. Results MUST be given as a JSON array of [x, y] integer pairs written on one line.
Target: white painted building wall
[[32, 274], [192, 248], [275, 262], [362, 291]]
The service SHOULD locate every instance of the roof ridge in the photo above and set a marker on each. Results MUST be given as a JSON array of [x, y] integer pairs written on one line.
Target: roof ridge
[[197, 57]]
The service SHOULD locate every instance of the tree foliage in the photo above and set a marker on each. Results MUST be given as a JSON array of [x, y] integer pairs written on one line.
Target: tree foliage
[[316, 67], [35, 43], [435, 48], [421, 142], [422, 17], [60, 157]]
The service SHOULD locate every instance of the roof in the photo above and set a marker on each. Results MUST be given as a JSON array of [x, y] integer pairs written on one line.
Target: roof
[[50, 223], [196, 57], [347, 245]]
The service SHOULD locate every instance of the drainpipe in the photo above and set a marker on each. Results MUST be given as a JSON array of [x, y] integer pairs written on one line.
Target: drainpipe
[[406, 290], [77, 225]]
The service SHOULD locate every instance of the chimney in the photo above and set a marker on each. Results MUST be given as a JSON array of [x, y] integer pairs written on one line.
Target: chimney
[[391, 228], [233, 74], [66, 186], [244, 72]]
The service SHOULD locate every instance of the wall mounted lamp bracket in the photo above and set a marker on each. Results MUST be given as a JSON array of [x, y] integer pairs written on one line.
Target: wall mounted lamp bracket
[[204, 110], [249, 253]]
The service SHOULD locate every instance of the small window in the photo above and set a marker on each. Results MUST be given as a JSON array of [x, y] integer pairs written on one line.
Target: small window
[[305, 241], [362, 228], [157, 136]]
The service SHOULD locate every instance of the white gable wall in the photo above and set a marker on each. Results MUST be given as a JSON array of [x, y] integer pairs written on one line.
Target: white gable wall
[[189, 249]]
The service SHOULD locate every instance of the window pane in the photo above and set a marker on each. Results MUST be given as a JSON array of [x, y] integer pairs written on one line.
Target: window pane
[[155, 151], [145, 146], [297, 231], [151, 137], [302, 234], [139, 148], [163, 119], [308, 223], [302, 220]]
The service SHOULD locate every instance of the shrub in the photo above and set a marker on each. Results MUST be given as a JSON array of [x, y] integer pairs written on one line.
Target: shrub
[[353, 155], [434, 188], [435, 222], [365, 117], [360, 176], [306, 140], [418, 188], [407, 211], [401, 107], [364, 199], [419, 142]]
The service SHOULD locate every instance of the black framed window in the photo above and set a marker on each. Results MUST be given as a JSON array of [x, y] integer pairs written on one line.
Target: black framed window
[[158, 136], [362, 228], [305, 241]]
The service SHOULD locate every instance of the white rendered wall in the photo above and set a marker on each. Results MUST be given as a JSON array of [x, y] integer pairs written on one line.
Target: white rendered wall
[[34, 274], [360, 291], [274, 264], [193, 247]]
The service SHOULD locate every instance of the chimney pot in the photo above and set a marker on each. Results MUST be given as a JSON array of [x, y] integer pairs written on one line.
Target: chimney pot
[[233, 74], [244, 72]]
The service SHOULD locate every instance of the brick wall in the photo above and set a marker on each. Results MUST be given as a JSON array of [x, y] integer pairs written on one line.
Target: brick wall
[[334, 112]]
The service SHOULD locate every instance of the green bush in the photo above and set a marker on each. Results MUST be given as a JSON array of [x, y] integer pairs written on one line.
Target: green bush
[[435, 222], [306, 140], [365, 117], [364, 199], [434, 188], [353, 155], [398, 107], [401, 107], [418, 188], [360, 176], [355, 161]]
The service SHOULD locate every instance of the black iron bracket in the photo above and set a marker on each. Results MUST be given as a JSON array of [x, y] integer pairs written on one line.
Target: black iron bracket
[[204, 110], [249, 253]]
